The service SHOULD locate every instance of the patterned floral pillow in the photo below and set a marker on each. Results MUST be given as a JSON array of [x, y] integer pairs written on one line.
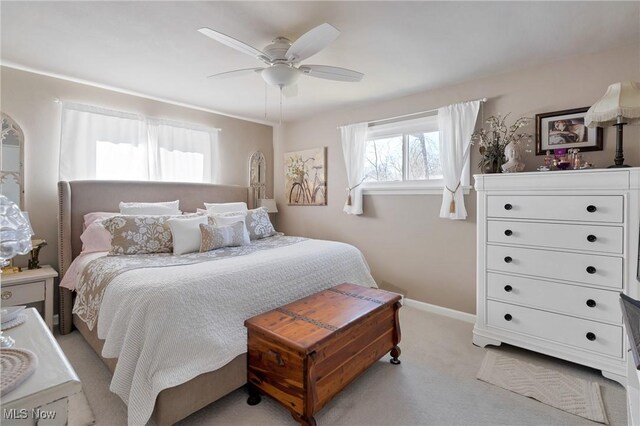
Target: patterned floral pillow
[[258, 223], [139, 234], [215, 237]]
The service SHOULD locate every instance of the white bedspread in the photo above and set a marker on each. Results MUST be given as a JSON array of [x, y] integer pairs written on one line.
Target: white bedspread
[[169, 325]]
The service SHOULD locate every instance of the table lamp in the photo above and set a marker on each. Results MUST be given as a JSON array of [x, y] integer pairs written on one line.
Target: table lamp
[[269, 203], [15, 239], [619, 106]]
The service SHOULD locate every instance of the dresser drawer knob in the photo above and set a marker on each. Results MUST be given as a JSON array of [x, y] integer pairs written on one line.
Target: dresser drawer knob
[[508, 317], [6, 295], [591, 269], [591, 336], [508, 232], [591, 238], [508, 259], [591, 303], [591, 208], [508, 206], [508, 288]]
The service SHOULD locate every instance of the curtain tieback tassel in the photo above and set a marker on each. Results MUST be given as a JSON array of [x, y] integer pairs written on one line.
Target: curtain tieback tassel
[[452, 205], [351, 189]]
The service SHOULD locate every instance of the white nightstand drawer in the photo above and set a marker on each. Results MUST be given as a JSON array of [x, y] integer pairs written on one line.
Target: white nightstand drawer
[[588, 208], [589, 303], [603, 239], [23, 293], [592, 269], [589, 335]]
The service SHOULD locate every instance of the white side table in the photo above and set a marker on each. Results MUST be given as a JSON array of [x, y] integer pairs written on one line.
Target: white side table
[[52, 386], [28, 286]]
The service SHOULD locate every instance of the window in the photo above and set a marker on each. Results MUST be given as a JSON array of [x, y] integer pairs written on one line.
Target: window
[[404, 157], [103, 144]]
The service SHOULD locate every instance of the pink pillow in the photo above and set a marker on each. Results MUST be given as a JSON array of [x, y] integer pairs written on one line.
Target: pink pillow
[[89, 218], [95, 238]]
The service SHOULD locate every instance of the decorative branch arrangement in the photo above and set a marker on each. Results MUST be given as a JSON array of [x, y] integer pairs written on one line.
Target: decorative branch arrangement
[[494, 140]]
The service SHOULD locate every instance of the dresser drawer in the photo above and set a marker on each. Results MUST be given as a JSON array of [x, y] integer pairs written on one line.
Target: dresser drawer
[[581, 268], [590, 303], [589, 335], [22, 293], [588, 208], [602, 239]]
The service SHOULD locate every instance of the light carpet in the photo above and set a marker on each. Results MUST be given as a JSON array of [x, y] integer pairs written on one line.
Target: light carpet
[[435, 385], [562, 391]]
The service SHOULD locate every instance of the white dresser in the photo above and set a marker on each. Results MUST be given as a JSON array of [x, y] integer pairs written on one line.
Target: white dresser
[[555, 249]]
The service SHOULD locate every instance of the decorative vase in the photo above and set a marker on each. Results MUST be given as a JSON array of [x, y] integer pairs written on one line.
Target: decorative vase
[[493, 166]]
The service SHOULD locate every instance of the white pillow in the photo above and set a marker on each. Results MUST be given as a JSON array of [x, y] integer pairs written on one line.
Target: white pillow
[[216, 208], [186, 233], [230, 220], [165, 208]]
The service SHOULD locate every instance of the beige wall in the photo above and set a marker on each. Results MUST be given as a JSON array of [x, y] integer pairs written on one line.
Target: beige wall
[[409, 248], [29, 99]]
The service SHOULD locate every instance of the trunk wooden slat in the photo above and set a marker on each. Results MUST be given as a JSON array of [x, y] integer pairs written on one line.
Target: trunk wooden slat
[[304, 353]]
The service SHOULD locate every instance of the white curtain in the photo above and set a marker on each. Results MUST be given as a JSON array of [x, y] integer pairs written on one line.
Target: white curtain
[[179, 153], [354, 144], [98, 143], [455, 123]]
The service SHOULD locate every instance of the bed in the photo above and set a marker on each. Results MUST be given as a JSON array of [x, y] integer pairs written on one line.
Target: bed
[[121, 326]]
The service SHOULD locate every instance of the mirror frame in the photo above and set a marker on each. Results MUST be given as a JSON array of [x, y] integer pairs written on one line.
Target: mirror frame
[[12, 126], [257, 177]]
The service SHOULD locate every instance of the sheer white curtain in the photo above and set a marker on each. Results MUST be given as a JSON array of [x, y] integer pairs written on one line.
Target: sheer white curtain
[[181, 153], [98, 143], [354, 145], [456, 123]]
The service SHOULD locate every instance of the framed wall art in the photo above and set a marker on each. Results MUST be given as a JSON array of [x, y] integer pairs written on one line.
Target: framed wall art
[[566, 129], [305, 174]]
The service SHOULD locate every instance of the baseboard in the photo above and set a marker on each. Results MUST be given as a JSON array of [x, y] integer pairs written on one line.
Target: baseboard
[[440, 310]]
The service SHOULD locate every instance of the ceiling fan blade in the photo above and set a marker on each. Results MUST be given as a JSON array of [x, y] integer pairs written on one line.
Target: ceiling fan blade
[[331, 73], [290, 91], [235, 73], [311, 42], [235, 44]]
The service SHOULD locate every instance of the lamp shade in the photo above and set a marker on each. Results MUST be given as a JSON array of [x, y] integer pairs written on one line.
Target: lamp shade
[[15, 231], [269, 203], [621, 100]]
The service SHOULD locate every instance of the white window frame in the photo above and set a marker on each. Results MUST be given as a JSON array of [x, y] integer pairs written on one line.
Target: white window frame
[[411, 187]]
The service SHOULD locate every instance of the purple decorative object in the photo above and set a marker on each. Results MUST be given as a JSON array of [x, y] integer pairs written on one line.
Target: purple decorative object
[[560, 152]]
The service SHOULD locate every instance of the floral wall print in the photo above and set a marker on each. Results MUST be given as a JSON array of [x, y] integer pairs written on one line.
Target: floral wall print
[[305, 174]]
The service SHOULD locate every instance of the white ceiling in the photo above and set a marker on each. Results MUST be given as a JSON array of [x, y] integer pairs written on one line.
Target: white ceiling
[[153, 48]]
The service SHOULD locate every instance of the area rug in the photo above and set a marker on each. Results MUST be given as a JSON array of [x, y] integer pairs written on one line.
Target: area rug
[[567, 393]]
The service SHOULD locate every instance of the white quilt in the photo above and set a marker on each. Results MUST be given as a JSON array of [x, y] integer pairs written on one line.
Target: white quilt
[[168, 325]]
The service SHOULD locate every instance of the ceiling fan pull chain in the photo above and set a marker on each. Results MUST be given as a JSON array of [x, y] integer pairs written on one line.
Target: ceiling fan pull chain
[[265, 100], [280, 105]]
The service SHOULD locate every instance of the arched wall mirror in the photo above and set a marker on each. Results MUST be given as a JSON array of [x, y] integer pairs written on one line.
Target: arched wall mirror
[[11, 161], [257, 177]]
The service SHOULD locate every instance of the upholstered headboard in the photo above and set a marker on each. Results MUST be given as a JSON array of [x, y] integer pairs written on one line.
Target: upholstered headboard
[[78, 198]]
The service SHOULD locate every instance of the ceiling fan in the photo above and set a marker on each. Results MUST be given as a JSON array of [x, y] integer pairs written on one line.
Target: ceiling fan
[[282, 57]]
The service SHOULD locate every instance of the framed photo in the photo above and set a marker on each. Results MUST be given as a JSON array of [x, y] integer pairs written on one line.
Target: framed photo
[[305, 177], [566, 129]]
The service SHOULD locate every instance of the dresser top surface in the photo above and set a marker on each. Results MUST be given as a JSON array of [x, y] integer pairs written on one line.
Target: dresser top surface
[[53, 375]]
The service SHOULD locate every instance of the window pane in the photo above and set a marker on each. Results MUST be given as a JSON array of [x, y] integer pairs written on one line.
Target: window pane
[[384, 160], [424, 156]]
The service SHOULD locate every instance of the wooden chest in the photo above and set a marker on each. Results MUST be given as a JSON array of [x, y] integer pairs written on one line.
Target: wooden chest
[[304, 353]]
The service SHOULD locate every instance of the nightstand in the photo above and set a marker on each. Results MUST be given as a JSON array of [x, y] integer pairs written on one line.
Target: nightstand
[[28, 286]]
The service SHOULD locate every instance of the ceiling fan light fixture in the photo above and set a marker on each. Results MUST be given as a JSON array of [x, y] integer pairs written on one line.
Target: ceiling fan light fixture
[[280, 75]]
